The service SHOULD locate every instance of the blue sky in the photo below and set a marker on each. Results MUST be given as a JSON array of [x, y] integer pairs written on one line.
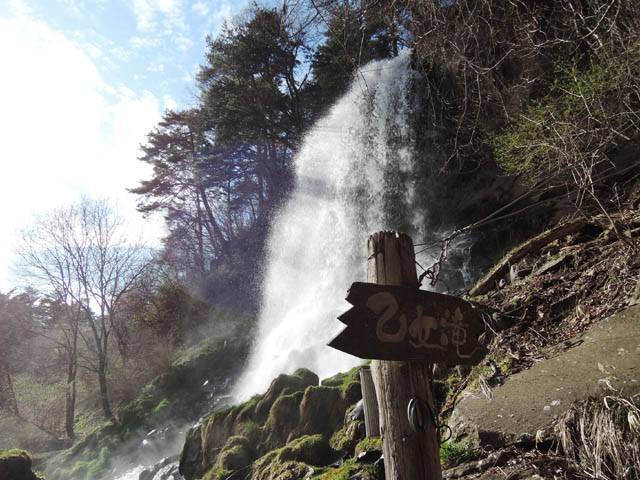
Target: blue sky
[[82, 82]]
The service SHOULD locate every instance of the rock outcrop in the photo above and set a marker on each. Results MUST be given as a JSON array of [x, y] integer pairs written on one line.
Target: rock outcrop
[[292, 422], [604, 361], [16, 465]]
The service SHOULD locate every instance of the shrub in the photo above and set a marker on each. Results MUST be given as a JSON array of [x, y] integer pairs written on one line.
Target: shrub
[[567, 136]]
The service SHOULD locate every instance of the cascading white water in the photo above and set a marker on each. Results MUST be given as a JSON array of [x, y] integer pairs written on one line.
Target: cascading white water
[[353, 164]]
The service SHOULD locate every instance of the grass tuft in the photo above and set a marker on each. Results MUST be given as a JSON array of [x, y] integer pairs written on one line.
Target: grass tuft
[[602, 438]]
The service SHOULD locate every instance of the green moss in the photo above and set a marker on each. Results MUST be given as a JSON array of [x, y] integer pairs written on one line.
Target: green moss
[[197, 351], [307, 376], [310, 449], [134, 416], [217, 417], [368, 444], [352, 392], [247, 410], [282, 471], [251, 430], [88, 469], [301, 452], [15, 464], [342, 380], [285, 409], [79, 470], [161, 406], [340, 442], [14, 452], [235, 455], [216, 474], [343, 472], [100, 465]]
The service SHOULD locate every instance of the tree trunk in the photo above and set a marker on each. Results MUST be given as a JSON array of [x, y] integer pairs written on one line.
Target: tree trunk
[[70, 407], [104, 392], [70, 410], [212, 224], [12, 392], [408, 454]]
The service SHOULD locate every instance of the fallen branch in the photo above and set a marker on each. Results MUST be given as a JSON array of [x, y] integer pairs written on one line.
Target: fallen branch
[[489, 281]]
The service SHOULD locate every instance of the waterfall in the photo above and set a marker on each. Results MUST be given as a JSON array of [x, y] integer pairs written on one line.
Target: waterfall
[[353, 176]]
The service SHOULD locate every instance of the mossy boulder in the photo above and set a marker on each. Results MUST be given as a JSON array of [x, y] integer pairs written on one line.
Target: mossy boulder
[[283, 385], [215, 431], [341, 443], [301, 418], [321, 411], [281, 471], [307, 376], [284, 417], [310, 449], [369, 444], [237, 453], [295, 458], [15, 464], [191, 456], [352, 392], [342, 379], [247, 412]]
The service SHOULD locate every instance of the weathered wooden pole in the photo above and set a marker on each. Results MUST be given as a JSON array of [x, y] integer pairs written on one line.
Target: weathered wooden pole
[[408, 454], [371, 416]]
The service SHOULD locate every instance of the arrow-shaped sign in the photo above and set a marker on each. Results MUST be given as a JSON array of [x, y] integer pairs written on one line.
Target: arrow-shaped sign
[[400, 323]]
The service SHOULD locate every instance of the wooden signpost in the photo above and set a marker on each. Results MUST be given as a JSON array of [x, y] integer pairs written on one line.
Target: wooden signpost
[[405, 330], [401, 323]]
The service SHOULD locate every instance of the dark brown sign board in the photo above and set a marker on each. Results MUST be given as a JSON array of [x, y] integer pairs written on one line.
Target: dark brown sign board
[[400, 323]]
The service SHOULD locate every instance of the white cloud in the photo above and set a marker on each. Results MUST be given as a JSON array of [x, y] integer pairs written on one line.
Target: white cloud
[[200, 8], [169, 103], [19, 7], [224, 13], [183, 42], [71, 5], [126, 92], [152, 13], [65, 132], [138, 42], [93, 50]]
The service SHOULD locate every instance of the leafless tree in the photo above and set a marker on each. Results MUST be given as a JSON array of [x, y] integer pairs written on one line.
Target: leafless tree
[[81, 257]]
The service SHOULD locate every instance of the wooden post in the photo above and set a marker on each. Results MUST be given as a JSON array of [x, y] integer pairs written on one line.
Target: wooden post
[[370, 403], [408, 455]]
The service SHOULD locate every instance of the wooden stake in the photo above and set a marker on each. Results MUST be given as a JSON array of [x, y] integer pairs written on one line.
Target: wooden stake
[[408, 455], [371, 415]]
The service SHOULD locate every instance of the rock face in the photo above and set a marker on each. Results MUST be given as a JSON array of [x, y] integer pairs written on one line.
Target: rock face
[[604, 361], [295, 407], [16, 465], [167, 469]]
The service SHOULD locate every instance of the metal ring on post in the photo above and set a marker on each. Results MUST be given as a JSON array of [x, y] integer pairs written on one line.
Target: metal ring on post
[[421, 416]]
